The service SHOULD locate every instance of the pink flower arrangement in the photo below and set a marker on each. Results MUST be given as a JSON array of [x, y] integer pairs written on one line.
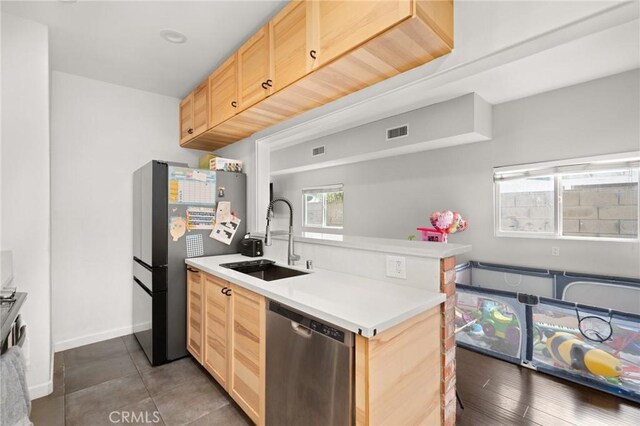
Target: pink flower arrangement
[[448, 222]]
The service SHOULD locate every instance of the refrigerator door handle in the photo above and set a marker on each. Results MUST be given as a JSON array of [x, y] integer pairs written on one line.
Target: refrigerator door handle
[[147, 266], [144, 287]]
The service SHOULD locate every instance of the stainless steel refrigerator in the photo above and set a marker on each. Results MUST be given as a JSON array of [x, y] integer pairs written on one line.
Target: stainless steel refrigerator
[[172, 220]]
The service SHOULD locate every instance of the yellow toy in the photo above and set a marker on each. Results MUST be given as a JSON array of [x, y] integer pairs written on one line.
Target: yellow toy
[[567, 349]]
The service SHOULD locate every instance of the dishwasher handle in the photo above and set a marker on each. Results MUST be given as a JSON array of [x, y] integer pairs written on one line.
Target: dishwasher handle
[[305, 326], [301, 330]]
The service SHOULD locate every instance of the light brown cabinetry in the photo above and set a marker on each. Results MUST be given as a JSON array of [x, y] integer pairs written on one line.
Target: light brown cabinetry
[[247, 378], [291, 53], [223, 92], [397, 374], [194, 113], [314, 52], [186, 119], [345, 25], [254, 69], [216, 326], [195, 318], [232, 333]]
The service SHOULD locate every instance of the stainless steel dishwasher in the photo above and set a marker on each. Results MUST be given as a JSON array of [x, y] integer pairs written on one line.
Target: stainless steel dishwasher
[[309, 370]]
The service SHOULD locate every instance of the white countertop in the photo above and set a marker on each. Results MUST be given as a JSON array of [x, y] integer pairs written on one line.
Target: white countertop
[[355, 303], [387, 245]]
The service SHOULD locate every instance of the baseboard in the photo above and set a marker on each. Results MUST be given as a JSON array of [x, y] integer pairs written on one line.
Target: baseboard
[[38, 391], [63, 345]]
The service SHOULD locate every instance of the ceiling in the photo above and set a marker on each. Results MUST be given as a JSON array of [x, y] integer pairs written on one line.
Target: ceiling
[[119, 41]]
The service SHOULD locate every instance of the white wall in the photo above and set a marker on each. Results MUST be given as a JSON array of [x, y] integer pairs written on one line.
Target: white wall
[[597, 117], [25, 183], [100, 134], [465, 119]]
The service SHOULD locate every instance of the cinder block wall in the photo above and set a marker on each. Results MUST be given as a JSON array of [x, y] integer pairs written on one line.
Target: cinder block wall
[[588, 211], [606, 211]]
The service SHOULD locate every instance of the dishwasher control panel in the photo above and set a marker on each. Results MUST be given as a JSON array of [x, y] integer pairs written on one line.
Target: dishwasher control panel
[[326, 330], [312, 324]]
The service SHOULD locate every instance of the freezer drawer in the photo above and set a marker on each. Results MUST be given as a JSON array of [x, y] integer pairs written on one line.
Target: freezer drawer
[[309, 372], [149, 322]]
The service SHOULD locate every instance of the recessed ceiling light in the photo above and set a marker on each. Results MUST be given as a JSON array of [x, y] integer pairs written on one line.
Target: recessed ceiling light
[[173, 36]]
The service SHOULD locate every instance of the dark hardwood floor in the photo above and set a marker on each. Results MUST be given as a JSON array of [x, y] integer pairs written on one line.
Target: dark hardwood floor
[[495, 392]]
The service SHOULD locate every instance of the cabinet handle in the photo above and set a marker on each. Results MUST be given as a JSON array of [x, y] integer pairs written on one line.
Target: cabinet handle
[[269, 83], [190, 131], [195, 271], [222, 290], [264, 85], [234, 104], [228, 292], [312, 53]]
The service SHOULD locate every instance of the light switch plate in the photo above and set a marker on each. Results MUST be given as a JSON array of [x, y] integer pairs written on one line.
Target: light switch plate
[[397, 267]]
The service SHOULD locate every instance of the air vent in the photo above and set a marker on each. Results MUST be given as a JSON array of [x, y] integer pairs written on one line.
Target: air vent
[[318, 150], [398, 132]]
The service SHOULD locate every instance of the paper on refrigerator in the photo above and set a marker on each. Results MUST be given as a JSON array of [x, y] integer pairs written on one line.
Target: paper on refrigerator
[[223, 211], [224, 231], [200, 217]]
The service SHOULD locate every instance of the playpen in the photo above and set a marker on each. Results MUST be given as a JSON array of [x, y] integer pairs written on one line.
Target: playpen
[[583, 328]]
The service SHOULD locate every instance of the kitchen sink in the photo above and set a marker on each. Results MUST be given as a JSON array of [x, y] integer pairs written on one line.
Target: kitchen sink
[[264, 269]]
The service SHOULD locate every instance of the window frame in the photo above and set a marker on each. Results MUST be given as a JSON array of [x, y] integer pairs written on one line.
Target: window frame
[[324, 189], [616, 161]]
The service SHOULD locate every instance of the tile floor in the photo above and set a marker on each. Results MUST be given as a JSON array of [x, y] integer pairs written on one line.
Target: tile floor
[[92, 382]]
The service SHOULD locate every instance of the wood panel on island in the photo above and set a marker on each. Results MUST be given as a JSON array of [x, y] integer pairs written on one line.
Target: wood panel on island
[[312, 53]]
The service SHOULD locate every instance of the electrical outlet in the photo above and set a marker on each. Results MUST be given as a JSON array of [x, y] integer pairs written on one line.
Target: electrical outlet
[[397, 267], [555, 251]]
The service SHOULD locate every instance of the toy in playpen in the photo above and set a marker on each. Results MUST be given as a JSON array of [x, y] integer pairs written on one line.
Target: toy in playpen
[[567, 349], [595, 348], [488, 321]]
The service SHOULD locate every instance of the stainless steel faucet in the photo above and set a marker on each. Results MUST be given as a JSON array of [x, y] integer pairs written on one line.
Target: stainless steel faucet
[[291, 257]]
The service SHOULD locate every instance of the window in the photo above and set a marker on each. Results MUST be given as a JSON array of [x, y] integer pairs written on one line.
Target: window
[[323, 207], [585, 198]]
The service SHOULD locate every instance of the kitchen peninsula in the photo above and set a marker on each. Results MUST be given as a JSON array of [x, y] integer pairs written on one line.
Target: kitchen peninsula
[[403, 369]]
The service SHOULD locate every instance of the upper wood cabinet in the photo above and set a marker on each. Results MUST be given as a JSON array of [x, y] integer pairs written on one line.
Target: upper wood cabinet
[[195, 313], [312, 53], [223, 91], [247, 380], [344, 25], [291, 55], [186, 119], [216, 318], [200, 109], [194, 113], [254, 69]]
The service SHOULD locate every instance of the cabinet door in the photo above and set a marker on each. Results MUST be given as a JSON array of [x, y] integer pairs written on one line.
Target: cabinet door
[[344, 25], [223, 92], [201, 109], [216, 320], [254, 69], [247, 379], [194, 313], [290, 57], [186, 119]]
